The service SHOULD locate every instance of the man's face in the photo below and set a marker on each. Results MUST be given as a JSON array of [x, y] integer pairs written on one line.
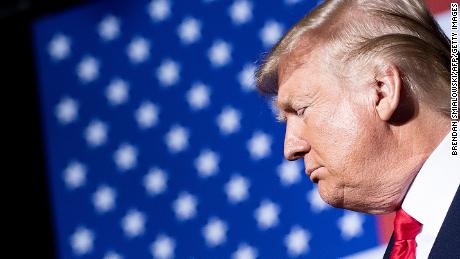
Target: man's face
[[332, 126]]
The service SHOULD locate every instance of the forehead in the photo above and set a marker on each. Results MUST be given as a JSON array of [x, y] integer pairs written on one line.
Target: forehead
[[299, 71]]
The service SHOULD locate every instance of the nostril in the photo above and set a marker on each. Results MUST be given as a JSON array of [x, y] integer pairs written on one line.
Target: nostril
[[298, 155], [295, 152]]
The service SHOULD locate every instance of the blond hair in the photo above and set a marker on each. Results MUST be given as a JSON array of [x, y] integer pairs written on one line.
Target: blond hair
[[368, 33]]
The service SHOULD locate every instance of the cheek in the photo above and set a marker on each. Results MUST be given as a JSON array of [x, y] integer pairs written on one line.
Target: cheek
[[358, 149], [339, 130]]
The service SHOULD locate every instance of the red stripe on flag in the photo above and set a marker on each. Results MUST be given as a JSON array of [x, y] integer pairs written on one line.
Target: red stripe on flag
[[439, 6], [385, 227]]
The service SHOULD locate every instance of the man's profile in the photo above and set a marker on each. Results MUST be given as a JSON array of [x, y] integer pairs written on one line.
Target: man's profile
[[364, 89]]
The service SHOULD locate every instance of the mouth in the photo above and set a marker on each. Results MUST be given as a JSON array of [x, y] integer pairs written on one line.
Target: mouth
[[309, 171], [313, 173]]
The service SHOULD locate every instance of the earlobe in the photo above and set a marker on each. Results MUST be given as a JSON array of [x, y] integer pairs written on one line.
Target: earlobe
[[388, 84]]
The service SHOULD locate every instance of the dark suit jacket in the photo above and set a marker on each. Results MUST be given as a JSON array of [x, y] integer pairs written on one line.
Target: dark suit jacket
[[447, 243]]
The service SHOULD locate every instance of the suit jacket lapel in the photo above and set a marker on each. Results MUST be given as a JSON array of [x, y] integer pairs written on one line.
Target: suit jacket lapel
[[389, 247], [447, 244]]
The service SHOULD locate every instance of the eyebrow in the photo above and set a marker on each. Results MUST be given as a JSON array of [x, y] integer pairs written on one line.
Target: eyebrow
[[289, 104], [280, 114], [281, 108]]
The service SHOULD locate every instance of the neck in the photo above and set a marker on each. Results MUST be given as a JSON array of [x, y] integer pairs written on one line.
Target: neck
[[415, 141], [425, 133]]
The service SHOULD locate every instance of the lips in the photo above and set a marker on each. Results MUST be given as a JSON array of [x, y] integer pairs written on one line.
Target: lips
[[313, 174], [309, 171]]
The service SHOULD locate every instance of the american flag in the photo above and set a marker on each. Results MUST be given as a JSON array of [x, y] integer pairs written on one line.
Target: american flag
[[158, 144]]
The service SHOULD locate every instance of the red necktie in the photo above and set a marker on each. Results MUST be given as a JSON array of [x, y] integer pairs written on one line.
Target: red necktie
[[405, 230]]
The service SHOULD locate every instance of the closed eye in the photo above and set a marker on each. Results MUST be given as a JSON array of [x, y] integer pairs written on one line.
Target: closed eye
[[301, 111], [288, 108]]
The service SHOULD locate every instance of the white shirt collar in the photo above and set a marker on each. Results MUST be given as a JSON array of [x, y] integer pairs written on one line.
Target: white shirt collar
[[431, 194]]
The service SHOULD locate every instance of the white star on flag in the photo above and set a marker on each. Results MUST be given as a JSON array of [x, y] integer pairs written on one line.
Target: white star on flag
[[185, 206], [267, 215], [271, 33], [177, 139], [215, 232], [316, 203], [75, 175], [155, 181], [163, 247], [189, 31], [125, 157], [291, 2], [198, 96], [138, 50], [289, 172], [59, 47], [112, 255], [237, 189], [159, 10], [220, 53], [207, 163], [117, 92], [133, 223], [297, 241], [168, 73], [240, 12], [104, 199], [246, 77], [351, 225], [88, 69], [67, 110], [96, 133], [259, 145], [147, 115], [109, 28], [245, 251], [82, 241], [229, 120]]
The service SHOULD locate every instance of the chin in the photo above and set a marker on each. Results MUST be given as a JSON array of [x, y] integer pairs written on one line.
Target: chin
[[331, 196]]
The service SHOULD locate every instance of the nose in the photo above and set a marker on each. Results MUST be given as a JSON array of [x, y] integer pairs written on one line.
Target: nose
[[295, 144]]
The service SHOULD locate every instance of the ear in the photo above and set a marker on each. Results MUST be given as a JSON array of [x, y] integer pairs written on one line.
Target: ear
[[388, 86]]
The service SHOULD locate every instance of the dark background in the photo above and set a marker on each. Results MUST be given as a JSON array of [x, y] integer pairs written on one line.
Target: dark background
[[29, 231]]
